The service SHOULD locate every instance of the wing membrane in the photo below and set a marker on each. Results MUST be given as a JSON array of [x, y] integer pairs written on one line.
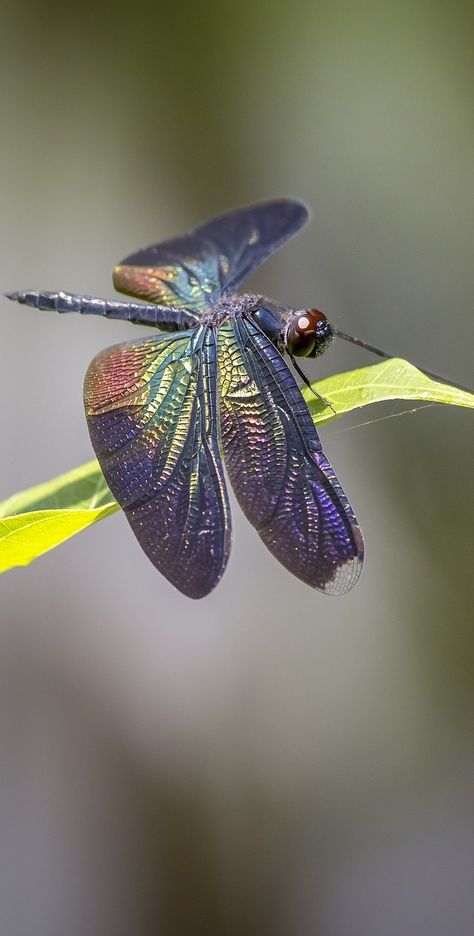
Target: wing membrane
[[151, 411], [281, 477], [212, 260]]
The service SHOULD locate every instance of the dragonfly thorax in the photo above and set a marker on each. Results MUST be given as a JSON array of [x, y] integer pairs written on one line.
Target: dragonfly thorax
[[271, 317]]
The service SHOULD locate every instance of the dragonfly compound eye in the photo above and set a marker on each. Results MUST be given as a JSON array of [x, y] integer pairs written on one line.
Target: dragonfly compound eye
[[308, 333]]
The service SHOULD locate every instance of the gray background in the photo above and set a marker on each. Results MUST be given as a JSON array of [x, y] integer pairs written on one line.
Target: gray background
[[265, 760]]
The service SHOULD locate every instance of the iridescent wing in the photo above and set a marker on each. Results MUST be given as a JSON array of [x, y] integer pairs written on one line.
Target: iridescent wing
[[282, 479], [213, 260], [151, 410]]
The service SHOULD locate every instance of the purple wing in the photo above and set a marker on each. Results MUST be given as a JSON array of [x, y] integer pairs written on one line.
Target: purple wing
[[281, 477], [213, 260], [151, 411]]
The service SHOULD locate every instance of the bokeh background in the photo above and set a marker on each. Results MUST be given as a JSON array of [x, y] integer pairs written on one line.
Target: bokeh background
[[265, 760]]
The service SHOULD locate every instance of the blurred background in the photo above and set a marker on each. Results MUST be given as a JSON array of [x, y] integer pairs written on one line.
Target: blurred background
[[266, 760]]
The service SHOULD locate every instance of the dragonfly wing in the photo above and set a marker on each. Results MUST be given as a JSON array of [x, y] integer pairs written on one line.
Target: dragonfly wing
[[281, 477], [151, 410], [213, 260]]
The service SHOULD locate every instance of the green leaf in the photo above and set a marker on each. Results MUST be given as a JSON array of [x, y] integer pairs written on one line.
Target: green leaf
[[394, 379], [42, 517], [36, 520]]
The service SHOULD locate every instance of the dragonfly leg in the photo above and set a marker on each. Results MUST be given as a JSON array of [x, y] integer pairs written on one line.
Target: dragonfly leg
[[308, 384]]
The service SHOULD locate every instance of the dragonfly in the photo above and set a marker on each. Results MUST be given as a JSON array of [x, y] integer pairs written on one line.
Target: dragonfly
[[168, 411]]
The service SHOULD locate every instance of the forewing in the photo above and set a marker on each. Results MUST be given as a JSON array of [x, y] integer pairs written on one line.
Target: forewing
[[281, 477], [212, 260], [151, 411]]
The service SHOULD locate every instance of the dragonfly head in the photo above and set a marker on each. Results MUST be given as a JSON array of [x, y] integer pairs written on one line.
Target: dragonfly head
[[308, 333]]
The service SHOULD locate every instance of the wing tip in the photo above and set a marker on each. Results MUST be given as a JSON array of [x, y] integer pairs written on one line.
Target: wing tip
[[194, 587], [196, 593], [344, 579], [297, 207]]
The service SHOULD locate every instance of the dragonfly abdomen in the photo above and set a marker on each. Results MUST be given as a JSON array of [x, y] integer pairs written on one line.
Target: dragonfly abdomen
[[137, 313]]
